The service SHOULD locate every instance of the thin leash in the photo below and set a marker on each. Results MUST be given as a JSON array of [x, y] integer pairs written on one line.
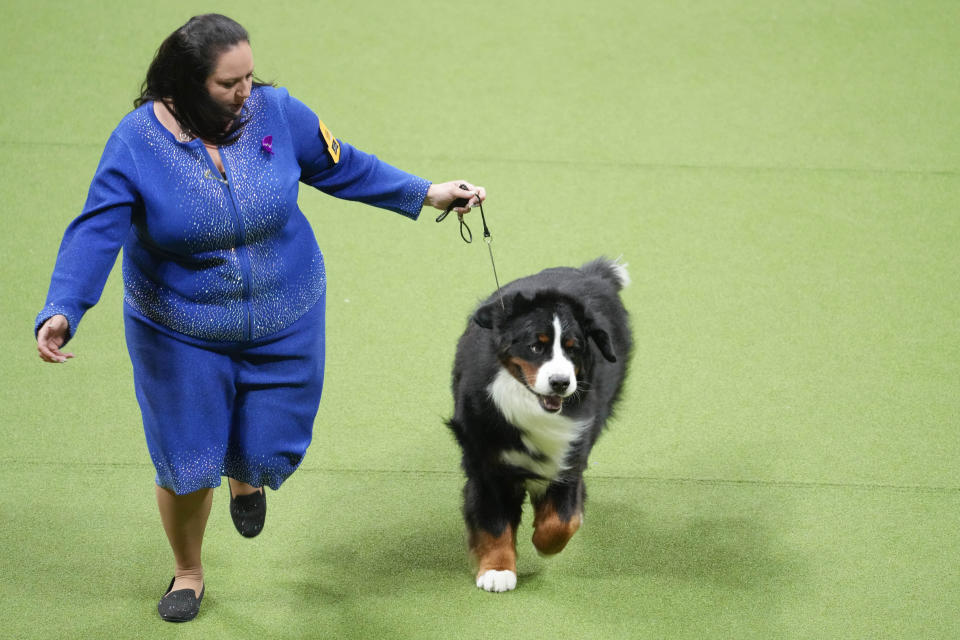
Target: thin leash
[[468, 236]]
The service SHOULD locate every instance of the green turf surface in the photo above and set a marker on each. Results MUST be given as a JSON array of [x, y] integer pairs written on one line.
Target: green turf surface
[[783, 180]]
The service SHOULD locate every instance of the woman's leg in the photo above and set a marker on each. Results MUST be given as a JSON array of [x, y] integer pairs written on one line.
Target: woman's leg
[[184, 520], [238, 488]]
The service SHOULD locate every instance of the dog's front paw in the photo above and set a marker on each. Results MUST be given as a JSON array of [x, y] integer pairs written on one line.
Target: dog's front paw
[[497, 581]]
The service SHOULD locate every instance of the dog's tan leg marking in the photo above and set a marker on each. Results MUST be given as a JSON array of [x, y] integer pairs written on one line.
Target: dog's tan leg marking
[[494, 553], [550, 532], [496, 559]]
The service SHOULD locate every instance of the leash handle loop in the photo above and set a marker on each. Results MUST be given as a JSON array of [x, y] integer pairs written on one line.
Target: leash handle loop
[[465, 231], [463, 227]]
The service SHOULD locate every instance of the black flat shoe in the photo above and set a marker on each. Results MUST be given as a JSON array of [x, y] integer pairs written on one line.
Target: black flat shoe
[[249, 512], [181, 605]]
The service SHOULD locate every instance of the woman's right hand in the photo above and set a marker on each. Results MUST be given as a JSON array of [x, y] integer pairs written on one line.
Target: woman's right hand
[[52, 335]]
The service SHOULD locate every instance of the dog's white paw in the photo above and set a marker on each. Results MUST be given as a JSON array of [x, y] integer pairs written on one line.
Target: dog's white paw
[[497, 581]]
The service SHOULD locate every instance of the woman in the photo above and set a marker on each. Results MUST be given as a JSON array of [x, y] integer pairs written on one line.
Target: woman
[[223, 280]]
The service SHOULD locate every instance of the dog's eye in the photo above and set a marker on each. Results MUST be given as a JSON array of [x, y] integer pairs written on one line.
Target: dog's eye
[[542, 341]]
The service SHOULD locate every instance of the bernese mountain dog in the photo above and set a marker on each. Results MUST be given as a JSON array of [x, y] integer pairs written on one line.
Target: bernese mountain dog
[[536, 375]]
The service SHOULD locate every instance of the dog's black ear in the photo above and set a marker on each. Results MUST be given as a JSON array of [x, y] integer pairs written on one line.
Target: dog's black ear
[[599, 336], [495, 312], [484, 315], [602, 339]]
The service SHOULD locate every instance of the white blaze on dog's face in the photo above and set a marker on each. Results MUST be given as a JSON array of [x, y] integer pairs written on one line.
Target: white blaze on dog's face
[[557, 377]]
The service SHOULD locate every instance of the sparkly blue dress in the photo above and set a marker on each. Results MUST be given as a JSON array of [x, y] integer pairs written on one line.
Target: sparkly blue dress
[[224, 283]]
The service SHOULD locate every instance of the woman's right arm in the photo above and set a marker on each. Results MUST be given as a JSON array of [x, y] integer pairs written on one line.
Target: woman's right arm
[[88, 251]]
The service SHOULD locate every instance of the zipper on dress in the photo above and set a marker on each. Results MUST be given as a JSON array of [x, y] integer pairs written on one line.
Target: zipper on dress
[[240, 235]]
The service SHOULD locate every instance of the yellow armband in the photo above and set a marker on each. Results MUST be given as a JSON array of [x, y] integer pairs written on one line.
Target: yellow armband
[[332, 145]]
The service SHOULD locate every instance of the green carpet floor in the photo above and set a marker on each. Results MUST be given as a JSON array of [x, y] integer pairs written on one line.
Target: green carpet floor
[[783, 180]]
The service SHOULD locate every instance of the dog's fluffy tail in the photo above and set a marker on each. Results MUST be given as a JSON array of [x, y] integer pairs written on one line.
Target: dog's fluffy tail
[[613, 271]]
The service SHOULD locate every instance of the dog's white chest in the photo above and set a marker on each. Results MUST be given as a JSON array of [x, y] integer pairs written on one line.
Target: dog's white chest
[[547, 436]]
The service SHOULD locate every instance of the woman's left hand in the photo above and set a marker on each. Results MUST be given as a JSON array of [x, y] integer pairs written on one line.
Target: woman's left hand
[[440, 195]]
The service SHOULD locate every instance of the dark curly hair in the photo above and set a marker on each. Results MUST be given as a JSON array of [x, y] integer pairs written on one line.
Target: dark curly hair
[[179, 72]]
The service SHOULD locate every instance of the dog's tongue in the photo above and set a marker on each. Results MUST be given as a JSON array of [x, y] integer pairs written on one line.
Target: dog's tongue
[[551, 403]]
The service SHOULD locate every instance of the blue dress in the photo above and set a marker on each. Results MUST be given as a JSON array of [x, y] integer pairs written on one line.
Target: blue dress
[[224, 282]]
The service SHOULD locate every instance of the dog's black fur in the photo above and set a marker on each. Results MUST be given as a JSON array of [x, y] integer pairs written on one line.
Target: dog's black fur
[[501, 459]]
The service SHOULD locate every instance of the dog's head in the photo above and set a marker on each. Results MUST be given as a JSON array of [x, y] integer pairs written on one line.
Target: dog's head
[[542, 340]]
